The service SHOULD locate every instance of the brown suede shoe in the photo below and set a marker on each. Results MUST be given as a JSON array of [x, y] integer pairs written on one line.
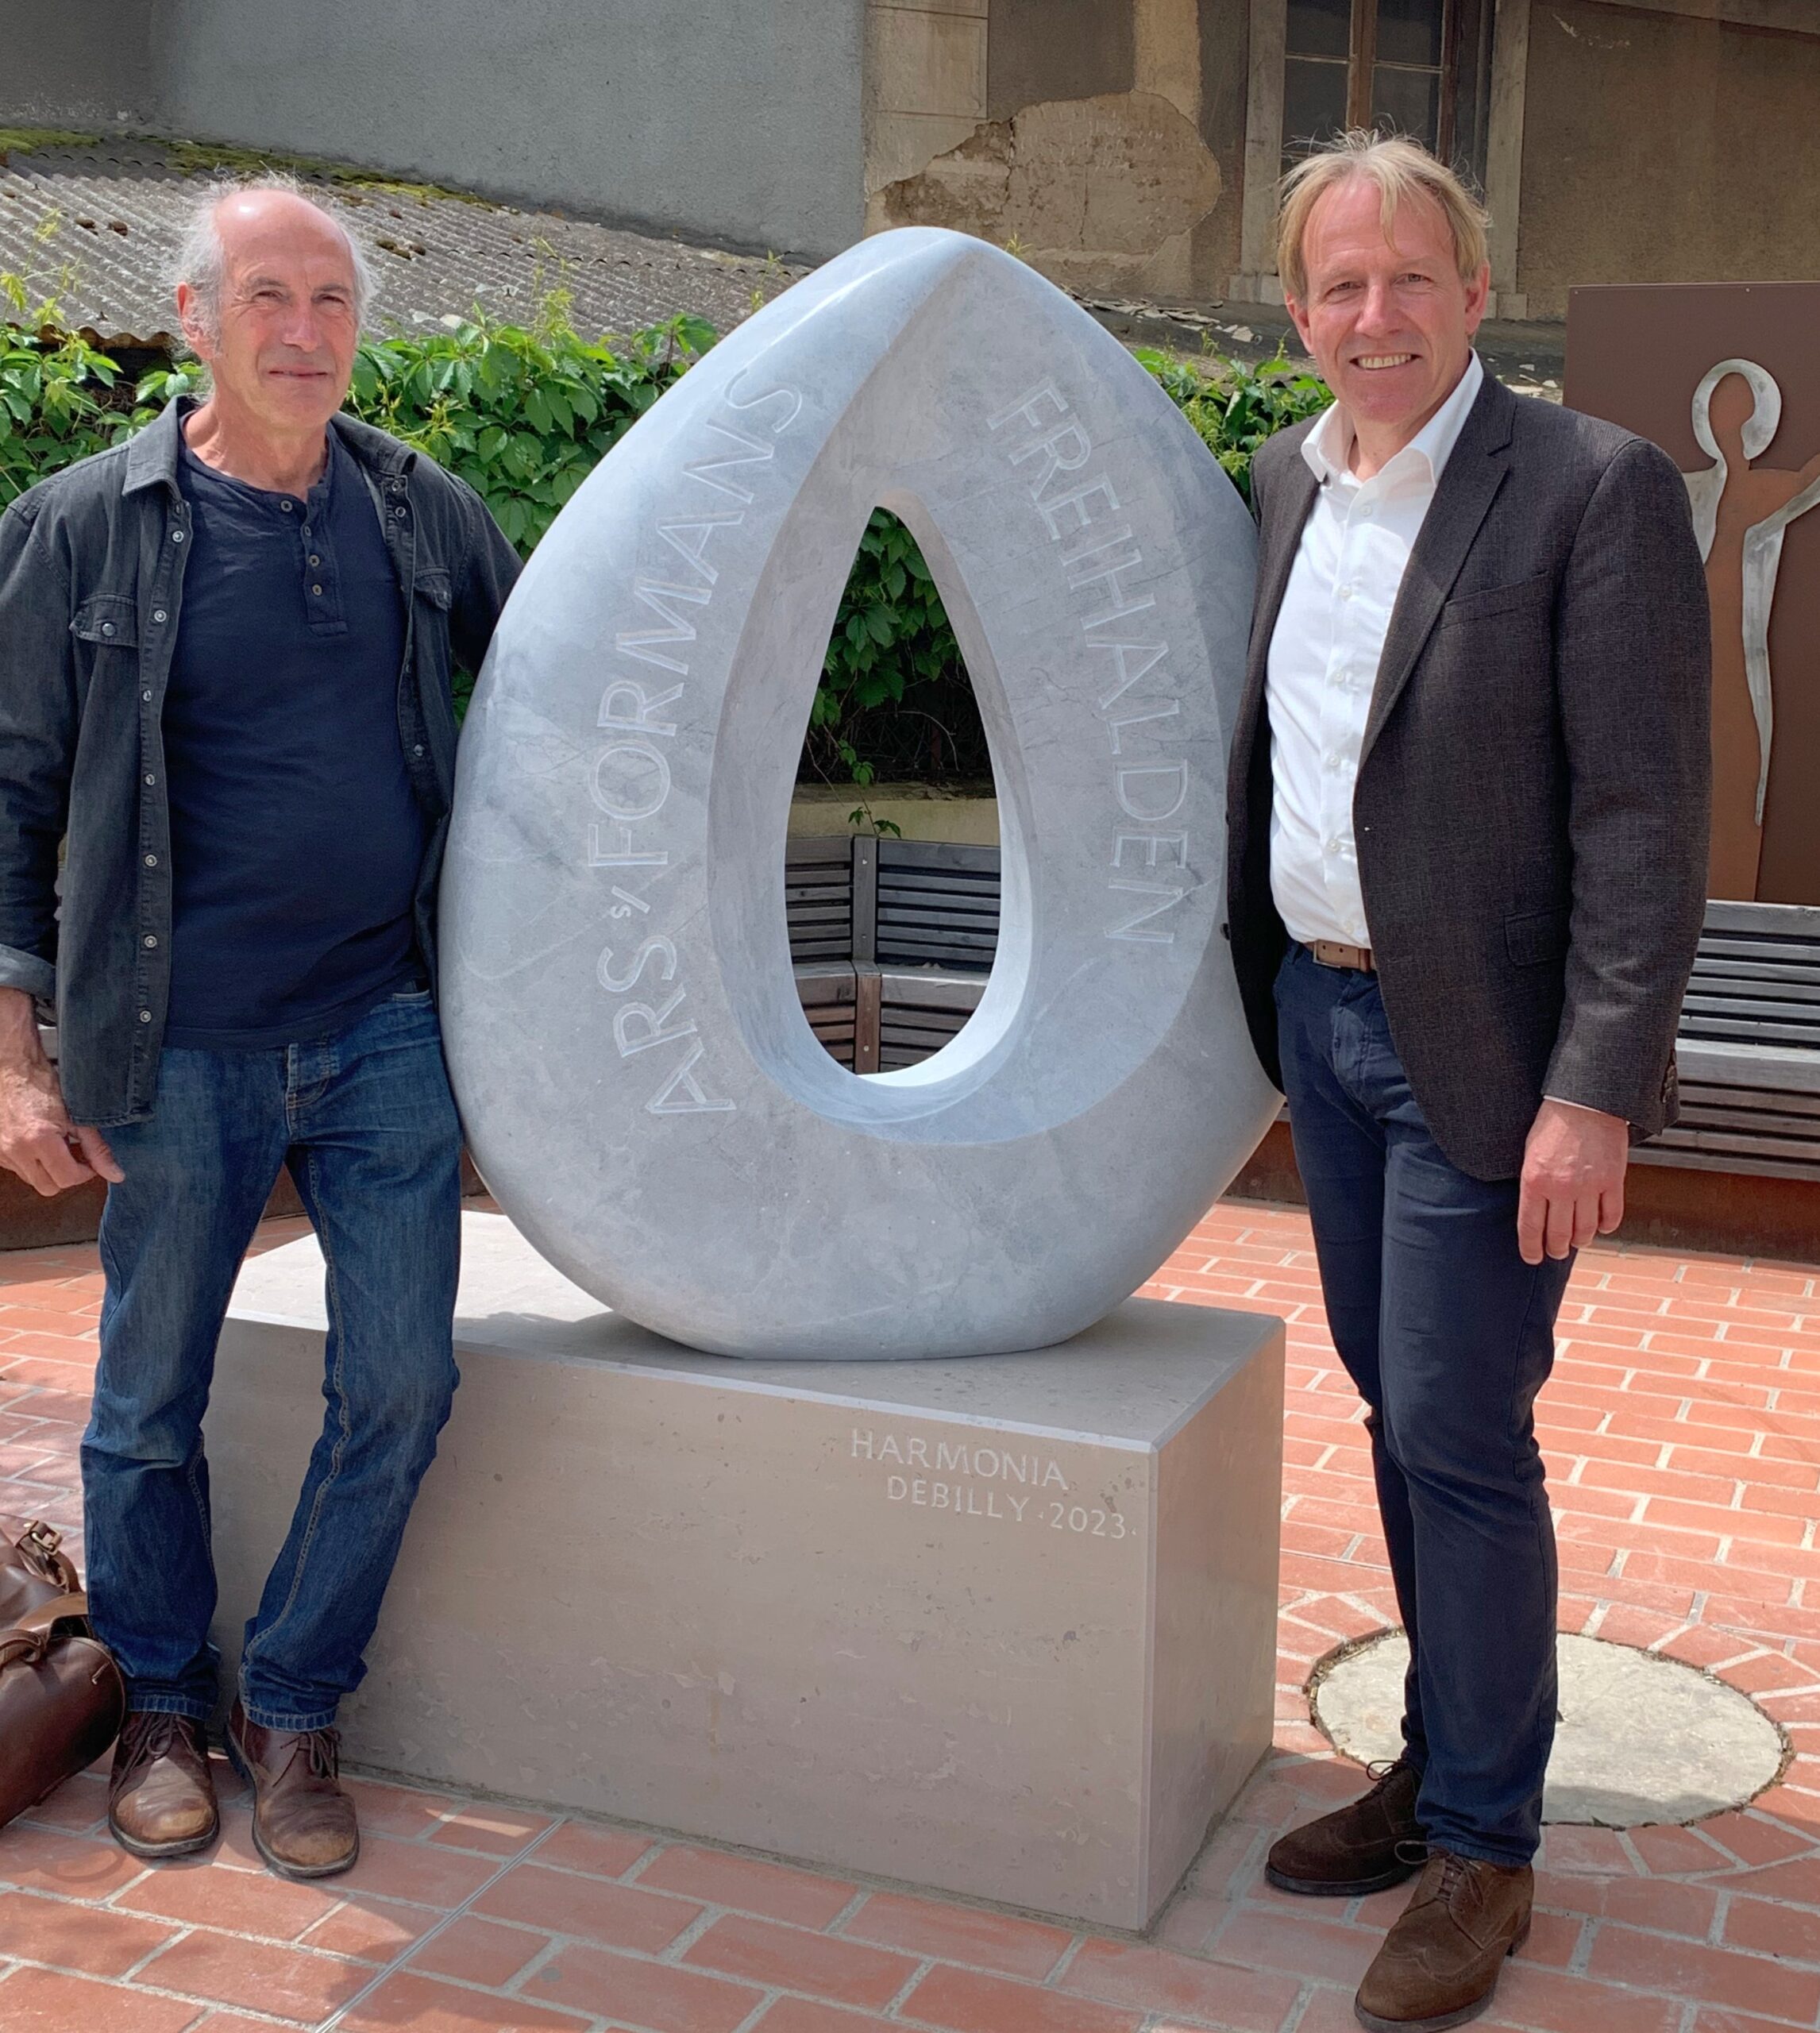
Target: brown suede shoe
[[1440, 1964], [160, 1795], [1367, 1847], [303, 1824]]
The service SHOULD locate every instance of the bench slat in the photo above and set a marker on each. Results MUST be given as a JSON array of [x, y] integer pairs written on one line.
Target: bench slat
[[1743, 1111], [1787, 920], [1791, 1004], [1789, 1149]]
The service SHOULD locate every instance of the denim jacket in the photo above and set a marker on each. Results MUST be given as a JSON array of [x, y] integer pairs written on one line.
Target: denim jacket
[[92, 588]]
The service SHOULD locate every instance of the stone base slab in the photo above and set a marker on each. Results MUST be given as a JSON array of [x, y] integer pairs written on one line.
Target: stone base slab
[[1003, 1627]]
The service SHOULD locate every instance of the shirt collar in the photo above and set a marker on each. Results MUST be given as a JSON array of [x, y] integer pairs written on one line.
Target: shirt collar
[[319, 499], [1328, 447], [152, 454]]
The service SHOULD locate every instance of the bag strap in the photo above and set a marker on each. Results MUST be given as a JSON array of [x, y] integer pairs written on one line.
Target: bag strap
[[37, 1623], [29, 1638], [34, 1544]]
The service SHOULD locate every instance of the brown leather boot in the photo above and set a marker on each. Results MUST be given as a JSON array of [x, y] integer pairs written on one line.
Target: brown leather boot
[[303, 1824], [1440, 1964], [160, 1794], [1374, 1843]]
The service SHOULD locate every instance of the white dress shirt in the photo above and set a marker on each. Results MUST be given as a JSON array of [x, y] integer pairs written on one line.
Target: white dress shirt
[[1324, 653]]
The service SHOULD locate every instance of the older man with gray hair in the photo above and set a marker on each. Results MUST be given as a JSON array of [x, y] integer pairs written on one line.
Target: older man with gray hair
[[225, 652], [1468, 810]]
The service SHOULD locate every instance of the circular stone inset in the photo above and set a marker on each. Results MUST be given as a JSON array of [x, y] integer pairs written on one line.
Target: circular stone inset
[[1641, 1739]]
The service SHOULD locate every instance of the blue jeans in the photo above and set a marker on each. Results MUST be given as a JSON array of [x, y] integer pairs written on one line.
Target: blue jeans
[[1449, 1335], [365, 1122]]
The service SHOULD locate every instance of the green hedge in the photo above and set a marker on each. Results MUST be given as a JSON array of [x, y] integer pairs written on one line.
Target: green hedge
[[526, 413]]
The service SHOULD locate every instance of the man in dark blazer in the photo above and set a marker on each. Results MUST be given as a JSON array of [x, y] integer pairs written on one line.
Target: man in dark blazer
[[1468, 813]]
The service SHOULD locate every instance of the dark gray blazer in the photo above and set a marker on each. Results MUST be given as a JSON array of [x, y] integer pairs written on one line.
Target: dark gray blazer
[[1531, 810]]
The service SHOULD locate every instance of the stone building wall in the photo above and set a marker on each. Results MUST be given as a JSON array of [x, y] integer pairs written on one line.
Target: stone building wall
[[1675, 143], [1103, 141], [739, 123]]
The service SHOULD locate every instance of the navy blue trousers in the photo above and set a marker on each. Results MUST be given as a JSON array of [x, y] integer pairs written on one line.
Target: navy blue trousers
[[1449, 1335]]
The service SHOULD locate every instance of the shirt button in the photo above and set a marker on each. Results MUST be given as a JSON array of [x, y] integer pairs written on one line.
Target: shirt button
[[146, 696], [316, 589], [151, 861], [176, 536], [417, 750], [157, 614], [289, 506], [314, 560], [107, 628], [150, 940], [400, 513], [145, 1016], [150, 778]]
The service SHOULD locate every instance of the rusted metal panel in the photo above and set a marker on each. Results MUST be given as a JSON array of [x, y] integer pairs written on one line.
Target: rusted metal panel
[[1725, 378]]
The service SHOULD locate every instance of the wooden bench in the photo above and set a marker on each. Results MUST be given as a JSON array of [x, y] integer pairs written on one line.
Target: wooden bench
[[1749, 1050], [894, 940]]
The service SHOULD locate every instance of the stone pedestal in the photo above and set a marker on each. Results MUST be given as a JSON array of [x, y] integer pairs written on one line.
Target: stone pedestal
[[1003, 1627]]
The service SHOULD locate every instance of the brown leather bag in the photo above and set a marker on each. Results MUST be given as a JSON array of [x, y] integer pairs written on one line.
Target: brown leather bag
[[62, 1700]]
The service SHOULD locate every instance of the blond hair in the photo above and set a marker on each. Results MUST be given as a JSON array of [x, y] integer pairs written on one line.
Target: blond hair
[[1400, 168]]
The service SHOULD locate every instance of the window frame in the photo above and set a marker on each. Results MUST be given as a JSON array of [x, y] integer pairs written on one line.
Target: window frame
[[1361, 67]]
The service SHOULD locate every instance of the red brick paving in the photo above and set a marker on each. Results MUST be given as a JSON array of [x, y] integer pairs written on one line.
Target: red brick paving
[[1683, 1430]]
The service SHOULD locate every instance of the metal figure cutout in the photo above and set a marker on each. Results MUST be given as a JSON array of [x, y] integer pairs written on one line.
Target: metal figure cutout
[[1741, 512]]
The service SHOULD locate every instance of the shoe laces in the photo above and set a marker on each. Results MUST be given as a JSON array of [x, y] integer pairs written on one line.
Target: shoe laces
[[1383, 1770], [322, 1748], [1454, 1872], [151, 1733]]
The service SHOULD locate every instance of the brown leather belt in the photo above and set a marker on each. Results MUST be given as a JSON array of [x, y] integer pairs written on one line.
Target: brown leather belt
[[1332, 953]]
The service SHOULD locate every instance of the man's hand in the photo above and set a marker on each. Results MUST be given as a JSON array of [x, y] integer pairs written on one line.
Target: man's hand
[[1573, 1179], [37, 1140]]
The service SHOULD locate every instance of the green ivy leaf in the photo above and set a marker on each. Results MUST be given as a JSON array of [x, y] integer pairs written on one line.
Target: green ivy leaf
[[523, 415]]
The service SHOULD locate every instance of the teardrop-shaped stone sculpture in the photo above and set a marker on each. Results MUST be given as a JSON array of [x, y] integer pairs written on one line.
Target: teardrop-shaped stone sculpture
[[640, 1087]]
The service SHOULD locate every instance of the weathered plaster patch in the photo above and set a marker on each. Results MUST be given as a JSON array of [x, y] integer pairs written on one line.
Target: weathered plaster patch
[[1086, 189], [1586, 36]]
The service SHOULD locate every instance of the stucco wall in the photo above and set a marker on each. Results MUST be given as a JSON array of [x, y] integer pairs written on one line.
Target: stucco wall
[[1049, 49], [1225, 47], [76, 65], [740, 124], [1106, 146], [1660, 147]]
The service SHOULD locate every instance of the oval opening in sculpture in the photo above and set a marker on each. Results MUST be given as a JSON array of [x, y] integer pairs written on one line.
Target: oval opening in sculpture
[[892, 869]]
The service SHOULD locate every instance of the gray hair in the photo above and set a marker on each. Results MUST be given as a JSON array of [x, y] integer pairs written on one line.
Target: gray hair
[[202, 260]]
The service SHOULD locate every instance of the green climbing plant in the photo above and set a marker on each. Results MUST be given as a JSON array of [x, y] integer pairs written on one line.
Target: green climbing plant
[[525, 412]]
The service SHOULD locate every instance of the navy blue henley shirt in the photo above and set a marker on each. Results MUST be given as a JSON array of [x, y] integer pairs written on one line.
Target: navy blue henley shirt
[[296, 837]]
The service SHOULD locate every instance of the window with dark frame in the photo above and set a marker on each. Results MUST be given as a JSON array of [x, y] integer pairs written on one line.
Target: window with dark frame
[[1405, 67]]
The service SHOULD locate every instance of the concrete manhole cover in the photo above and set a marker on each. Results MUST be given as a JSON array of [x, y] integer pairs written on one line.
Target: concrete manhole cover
[[1641, 1739]]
